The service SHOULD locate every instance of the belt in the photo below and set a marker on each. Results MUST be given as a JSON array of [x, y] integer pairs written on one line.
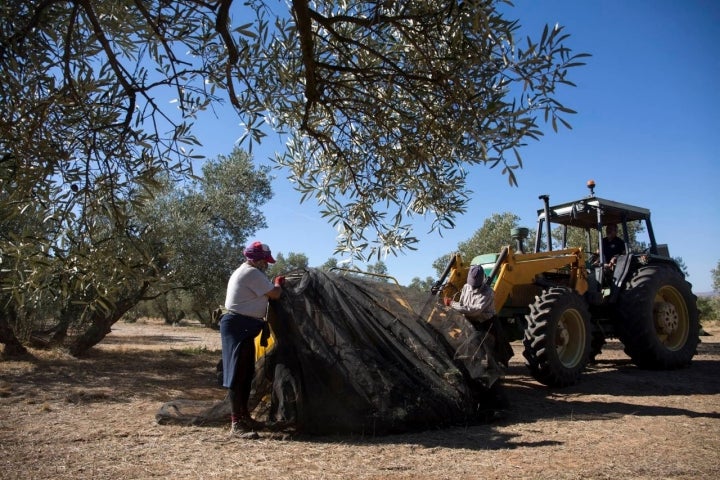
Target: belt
[[226, 310]]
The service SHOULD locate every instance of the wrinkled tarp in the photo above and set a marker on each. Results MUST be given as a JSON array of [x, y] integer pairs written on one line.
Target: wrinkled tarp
[[352, 356]]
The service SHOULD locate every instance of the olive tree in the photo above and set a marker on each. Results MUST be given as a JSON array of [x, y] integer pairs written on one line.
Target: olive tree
[[203, 226], [386, 106], [82, 278]]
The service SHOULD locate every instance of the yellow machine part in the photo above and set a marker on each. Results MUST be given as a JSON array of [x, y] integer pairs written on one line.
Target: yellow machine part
[[520, 270], [260, 350]]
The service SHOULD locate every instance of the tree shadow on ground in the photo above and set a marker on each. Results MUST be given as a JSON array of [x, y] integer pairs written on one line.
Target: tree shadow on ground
[[151, 340], [113, 376]]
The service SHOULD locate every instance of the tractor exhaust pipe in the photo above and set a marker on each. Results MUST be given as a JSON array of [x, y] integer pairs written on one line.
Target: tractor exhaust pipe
[[546, 207]]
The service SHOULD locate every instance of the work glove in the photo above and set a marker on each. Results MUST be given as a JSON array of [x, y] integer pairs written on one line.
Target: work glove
[[279, 281]]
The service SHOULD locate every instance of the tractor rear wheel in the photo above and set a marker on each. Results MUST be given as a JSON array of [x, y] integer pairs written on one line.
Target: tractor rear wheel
[[658, 318], [557, 337]]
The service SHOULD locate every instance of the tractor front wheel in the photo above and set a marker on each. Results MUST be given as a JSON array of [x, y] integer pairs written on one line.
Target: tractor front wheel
[[557, 337]]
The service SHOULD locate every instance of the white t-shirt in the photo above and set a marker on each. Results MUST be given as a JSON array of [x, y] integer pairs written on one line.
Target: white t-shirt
[[246, 291]]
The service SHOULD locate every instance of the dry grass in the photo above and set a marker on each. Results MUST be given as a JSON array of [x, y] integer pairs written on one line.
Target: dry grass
[[94, 417]]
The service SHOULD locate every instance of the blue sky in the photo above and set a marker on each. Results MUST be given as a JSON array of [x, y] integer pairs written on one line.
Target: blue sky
[[648, 106]]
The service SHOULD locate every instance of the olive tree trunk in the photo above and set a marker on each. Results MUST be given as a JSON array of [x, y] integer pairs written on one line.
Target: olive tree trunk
[[100, 324]]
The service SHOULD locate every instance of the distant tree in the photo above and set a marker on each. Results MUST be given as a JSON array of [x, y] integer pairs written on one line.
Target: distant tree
[[204, 226], [492, 236], [378, 267], [576, 237], [709, 308], [421, 285], [329, 264], [681, 264], [283, 265]]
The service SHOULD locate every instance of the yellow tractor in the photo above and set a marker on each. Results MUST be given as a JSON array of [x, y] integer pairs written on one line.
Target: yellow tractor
[[563, 303]]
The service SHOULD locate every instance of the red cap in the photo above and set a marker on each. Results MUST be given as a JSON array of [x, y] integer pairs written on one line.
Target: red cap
[[259, 251]]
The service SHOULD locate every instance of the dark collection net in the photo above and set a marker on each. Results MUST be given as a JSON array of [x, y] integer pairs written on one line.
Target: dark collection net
[[352, 355]]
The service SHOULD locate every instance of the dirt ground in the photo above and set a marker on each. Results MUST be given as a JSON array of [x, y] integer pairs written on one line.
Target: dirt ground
[[68, 418]]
